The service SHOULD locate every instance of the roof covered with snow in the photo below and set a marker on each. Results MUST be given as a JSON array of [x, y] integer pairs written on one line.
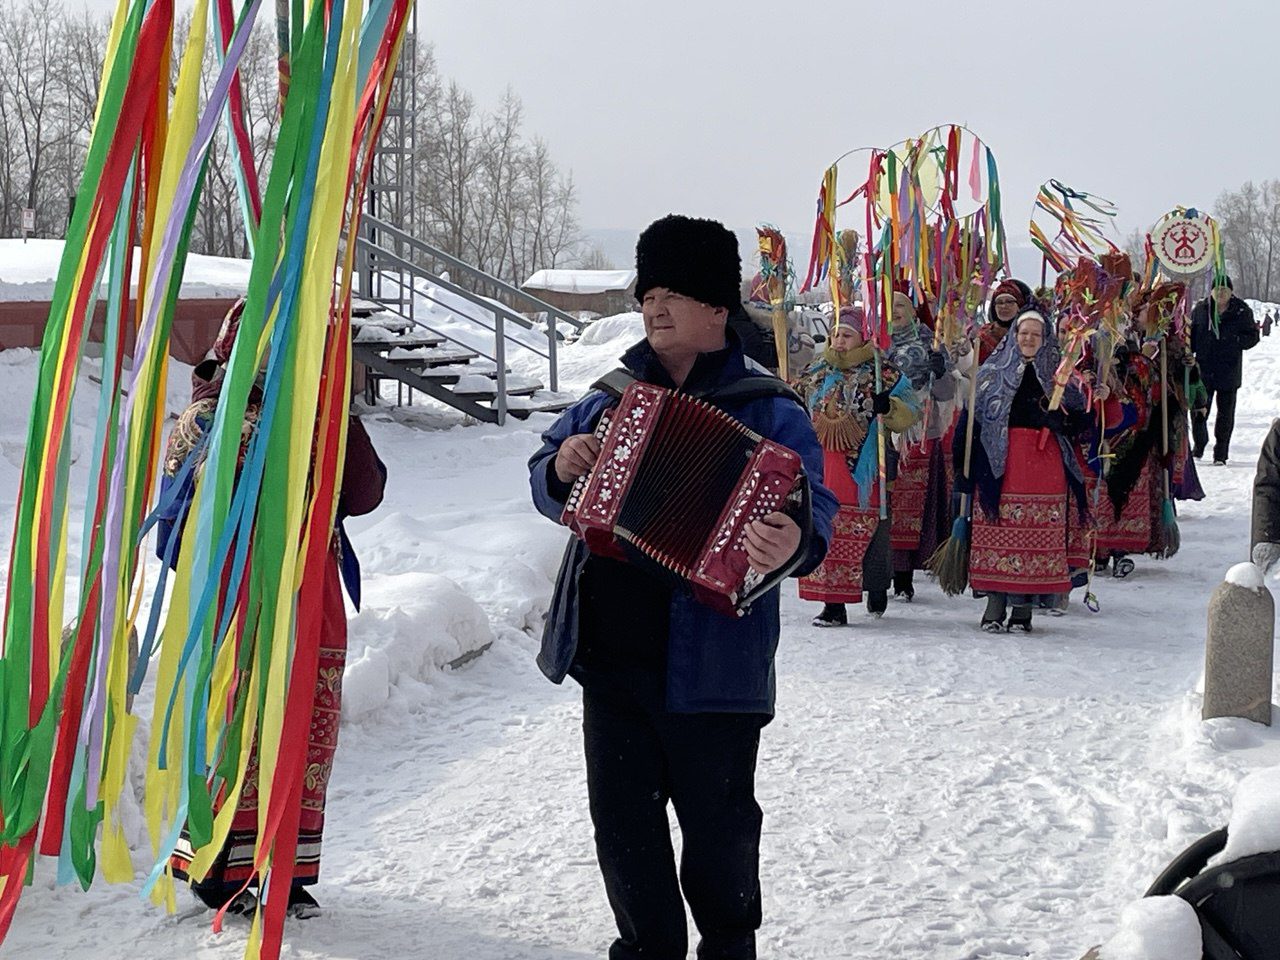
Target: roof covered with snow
[[29, 270], [581, 281]]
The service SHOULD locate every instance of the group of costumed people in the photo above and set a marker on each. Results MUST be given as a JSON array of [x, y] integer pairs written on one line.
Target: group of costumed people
[[1057, 477]]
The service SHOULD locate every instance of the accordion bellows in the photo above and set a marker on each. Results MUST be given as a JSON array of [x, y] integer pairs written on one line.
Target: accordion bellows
[[676, 483]]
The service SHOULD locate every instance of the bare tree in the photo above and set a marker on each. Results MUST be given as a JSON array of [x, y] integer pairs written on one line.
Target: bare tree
[[1250, 220], [30, 41], [593, 258], [483, 190]]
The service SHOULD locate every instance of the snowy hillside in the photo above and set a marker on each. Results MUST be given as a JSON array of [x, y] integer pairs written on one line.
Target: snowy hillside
[[929, 791]]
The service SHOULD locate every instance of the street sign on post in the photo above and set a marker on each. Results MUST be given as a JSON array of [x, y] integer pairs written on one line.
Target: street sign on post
[[28, 222]]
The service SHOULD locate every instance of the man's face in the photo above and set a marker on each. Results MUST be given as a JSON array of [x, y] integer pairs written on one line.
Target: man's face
[[676, 324], [1030, 337], [1006, 308], [1222, 296]]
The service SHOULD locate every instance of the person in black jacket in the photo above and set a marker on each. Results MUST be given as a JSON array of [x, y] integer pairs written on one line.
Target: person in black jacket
[[1220, 355]]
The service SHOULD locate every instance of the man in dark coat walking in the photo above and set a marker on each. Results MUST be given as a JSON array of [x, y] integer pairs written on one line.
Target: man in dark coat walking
[[1219, 354], [675, 693]]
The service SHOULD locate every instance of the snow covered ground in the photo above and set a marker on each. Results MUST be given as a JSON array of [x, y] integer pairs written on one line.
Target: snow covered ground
[[929, 791]]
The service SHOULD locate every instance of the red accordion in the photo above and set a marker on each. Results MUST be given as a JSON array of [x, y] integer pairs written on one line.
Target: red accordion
[[675, 485]]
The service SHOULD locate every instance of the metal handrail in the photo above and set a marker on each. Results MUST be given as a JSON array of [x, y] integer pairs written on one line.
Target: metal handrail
[[390, 266], [390, 308], [537, 305]]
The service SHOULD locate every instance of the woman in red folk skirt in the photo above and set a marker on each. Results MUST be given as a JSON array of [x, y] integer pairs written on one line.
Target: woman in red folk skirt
[[840, 391], [1024, 476]]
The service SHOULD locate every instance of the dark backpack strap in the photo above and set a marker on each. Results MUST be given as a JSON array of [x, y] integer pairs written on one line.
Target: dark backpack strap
[[615, 382], [754, 386]]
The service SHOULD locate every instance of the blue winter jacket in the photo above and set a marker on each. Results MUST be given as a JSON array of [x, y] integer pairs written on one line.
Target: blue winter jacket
[[714, 662]]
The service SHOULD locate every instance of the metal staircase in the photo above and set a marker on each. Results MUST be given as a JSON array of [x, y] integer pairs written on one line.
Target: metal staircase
[[435, 324], [427, 320]]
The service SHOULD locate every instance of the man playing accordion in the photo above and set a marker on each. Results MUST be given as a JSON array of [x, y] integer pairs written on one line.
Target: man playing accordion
[[675, 693]]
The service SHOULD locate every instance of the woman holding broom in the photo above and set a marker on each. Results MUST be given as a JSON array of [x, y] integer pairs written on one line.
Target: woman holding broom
[[1022, 475], [839, 389], [921, 494]]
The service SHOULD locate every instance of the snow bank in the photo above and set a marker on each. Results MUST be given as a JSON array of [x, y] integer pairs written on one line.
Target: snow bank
[[1156, 928], [412, 625], [598, 349], [1246, 575], [507, 561], [1255, 817]]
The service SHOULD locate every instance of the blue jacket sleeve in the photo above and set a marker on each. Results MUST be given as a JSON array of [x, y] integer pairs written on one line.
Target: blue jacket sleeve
[[549, 493], [792, 428]]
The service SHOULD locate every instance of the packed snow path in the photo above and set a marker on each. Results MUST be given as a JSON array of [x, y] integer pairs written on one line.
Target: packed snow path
[[930, 791]]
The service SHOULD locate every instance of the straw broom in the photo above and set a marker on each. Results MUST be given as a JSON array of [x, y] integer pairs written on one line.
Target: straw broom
[[950, 562], [774, 270]]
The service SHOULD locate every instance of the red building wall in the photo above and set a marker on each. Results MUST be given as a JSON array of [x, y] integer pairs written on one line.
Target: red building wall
[[195, 324]]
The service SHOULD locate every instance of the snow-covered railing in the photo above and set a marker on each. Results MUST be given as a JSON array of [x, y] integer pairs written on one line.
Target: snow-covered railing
[[377, 232], [392, 270]]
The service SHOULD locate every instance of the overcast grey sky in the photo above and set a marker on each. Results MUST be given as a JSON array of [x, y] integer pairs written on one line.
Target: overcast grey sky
[[733, 108]]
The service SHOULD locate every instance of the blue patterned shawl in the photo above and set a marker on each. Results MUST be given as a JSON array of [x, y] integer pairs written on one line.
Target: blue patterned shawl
[[998, 381]]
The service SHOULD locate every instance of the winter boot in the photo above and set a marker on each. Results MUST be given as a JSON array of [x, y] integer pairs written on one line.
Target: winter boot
[[215, 896], [302, 905], [903, 588], [877, 602], [1122, 568], [1020, 620], [992, 626], [832, 615]]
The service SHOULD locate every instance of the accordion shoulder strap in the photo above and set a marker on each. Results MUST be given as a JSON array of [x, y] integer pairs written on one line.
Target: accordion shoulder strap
[[615, 382], [754, 386]]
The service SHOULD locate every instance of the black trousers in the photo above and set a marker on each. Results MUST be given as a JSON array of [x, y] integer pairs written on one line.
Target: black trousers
[[1222, 427], [638, 757]]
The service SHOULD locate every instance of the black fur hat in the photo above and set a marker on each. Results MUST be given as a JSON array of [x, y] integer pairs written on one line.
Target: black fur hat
[[697, 258]]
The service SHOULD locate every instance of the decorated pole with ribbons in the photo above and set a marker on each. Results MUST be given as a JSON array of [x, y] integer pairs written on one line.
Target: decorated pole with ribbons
[[775, 272], [1182, 244], [237, 648], [931, 222]]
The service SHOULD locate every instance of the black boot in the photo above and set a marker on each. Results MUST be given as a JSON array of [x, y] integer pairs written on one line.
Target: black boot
[[903, 588], [302, 905], [215, 896], [832, 615], [877, 602], [1020, 620], [1122, 567]]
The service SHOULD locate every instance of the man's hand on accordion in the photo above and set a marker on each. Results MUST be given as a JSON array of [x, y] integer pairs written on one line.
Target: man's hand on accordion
[[576, 456], [771, 542]]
